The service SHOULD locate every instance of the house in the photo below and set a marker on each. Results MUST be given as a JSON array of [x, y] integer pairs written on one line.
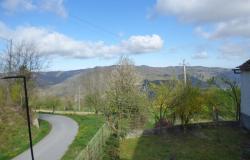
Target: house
[[244, 71]]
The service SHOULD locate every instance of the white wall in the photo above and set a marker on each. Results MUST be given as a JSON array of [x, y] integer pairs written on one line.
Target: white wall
[[245, 92]]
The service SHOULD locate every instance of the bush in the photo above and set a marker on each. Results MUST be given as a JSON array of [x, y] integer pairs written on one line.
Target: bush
[[163, 123], [111, 150]]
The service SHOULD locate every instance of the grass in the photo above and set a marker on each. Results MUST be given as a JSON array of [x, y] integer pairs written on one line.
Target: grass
[[14, 140], [88, 126], [196, 145], [111, 149]]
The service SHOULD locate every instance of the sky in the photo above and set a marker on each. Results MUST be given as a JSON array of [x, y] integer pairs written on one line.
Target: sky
[[75, 34]]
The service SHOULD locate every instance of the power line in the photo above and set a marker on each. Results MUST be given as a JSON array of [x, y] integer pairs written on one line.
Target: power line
[[95, 26]]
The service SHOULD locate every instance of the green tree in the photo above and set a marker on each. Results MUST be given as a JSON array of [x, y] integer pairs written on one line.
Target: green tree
[[68, 103], [218, 103], [234, 92], [93, 101], [125, 102], [162, 104], [188, 103], [52, 103]]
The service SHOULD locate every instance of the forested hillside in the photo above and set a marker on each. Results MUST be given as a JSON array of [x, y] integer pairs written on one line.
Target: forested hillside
[[68, 83]]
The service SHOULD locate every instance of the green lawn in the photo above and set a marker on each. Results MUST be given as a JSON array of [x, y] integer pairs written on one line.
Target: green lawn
[[14, 139], [88, 126], [201, 144]]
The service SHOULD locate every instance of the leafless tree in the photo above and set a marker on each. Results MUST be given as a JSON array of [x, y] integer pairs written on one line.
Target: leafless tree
[[125, 102], [22, 58]]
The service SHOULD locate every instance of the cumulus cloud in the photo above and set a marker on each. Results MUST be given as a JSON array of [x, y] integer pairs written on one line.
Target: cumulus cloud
[[50, 42], [204, 11], [54, 6], [200, 55], [234, 28], [226, 18], [214, 19]]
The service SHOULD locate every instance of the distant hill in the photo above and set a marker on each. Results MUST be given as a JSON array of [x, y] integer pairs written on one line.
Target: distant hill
[[69, 83]]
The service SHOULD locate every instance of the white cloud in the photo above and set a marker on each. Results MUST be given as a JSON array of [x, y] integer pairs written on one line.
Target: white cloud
[[14, 5], [234, 28], [50, 42], [235, 50], [226, 18], [204, 11], [200, 55], [54, 6], [142, 44], [214, 19]]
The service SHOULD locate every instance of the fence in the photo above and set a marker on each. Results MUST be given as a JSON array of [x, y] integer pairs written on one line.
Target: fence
[[178, 128], [94, 149]]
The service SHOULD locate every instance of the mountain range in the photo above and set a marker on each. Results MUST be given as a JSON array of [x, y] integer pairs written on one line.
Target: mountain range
[[71, 83]]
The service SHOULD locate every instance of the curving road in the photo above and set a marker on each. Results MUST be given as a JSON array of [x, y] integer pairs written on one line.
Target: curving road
[[56, 143]]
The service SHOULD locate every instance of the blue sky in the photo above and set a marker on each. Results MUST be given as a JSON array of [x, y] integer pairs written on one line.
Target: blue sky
[[81, 34]]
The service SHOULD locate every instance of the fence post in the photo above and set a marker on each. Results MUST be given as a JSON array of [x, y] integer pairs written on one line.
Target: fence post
[[102, 135], [88, 153], [102, 141]]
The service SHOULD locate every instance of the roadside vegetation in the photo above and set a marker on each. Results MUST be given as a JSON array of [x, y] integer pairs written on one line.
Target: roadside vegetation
[[13, 133], [18, 59], [88, 126]]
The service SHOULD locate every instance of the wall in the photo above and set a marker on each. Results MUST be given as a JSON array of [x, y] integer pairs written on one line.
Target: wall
[[245, 99]]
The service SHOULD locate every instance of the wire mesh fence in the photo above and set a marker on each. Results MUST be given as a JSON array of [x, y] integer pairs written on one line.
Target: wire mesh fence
[[94, 149]]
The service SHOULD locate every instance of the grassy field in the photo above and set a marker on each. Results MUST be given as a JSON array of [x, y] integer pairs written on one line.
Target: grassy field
[[88, 126], [14, 140], [202, 144]]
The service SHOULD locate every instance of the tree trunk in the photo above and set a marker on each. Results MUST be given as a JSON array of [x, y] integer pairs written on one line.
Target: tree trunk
[[238, 113]]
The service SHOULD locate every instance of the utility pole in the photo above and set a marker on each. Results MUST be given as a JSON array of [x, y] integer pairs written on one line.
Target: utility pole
[[10, 63], [79, 98], [184, 71]]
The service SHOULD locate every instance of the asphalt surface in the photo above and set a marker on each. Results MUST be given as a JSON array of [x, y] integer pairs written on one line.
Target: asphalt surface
[[56, 143]]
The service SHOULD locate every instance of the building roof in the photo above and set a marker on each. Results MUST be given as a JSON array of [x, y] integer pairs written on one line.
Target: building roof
[[245, 66]]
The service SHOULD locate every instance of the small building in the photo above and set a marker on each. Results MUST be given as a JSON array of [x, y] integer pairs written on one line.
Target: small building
[[244, 71]]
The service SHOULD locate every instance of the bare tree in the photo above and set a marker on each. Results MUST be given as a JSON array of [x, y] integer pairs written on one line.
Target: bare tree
[[95, 90], [125, 102], [22, 58]]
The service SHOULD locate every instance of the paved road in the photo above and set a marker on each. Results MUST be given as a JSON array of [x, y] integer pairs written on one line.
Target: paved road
[[56, 143]]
